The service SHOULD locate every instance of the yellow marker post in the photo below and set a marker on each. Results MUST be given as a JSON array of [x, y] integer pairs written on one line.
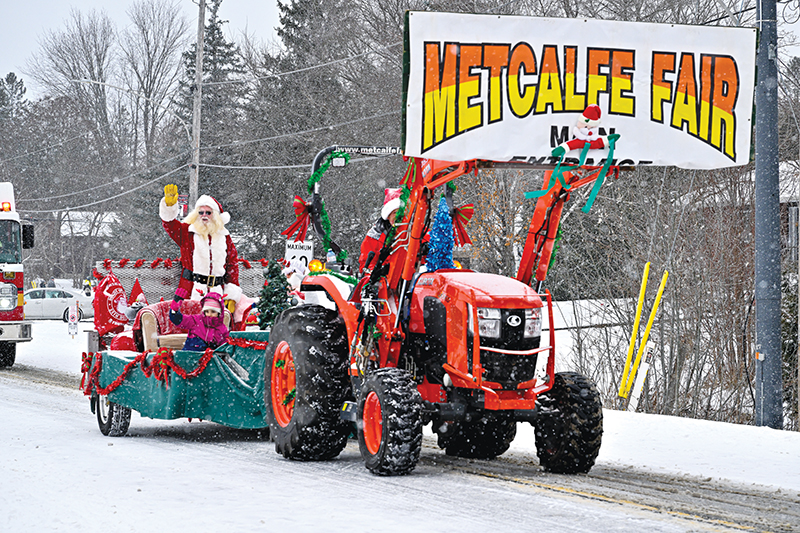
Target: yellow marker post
[[647, 331], [623, 385]]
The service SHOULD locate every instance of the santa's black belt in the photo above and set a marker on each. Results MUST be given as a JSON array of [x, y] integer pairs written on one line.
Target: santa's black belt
[[211, 281]]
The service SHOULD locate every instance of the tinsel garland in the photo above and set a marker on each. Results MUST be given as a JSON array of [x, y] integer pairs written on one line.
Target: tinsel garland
[[347, 279], [440, 247], [159, 368], [325, 221], [556, 247], [244, 343], [405, 192]]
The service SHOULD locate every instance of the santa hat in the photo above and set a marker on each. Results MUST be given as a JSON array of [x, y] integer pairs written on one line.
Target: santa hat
[[391, 201], [212, 301], [208, 201], [590, 116]]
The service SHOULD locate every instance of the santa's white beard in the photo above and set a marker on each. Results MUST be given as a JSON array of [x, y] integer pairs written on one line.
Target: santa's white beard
[[206, 228]]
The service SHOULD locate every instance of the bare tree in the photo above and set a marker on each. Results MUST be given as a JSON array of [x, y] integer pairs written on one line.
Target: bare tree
[[83, 50], [151, 50]]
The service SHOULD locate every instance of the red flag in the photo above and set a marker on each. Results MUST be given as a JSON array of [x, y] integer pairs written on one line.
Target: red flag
[[107, 297], [137, 294]]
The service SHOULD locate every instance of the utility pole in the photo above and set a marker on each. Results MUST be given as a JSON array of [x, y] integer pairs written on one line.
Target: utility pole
[[769, 386], [198, 94]]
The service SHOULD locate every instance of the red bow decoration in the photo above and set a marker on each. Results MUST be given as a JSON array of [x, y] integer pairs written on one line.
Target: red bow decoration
[[461, 217], [303, 214]]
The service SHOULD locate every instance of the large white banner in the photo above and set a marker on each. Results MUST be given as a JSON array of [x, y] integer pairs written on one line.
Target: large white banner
[[509, 88]]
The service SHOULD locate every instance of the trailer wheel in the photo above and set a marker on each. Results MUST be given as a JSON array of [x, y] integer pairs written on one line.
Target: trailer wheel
[[570, 427], [482, 438], [8, 354], [113, 419], [390, 422], [306, 383]]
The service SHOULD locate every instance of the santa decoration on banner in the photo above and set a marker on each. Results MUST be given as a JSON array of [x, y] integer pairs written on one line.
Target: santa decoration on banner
[[109, 304]]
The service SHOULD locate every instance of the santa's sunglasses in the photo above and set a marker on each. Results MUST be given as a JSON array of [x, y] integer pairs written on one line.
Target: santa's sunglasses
[[205, 212]]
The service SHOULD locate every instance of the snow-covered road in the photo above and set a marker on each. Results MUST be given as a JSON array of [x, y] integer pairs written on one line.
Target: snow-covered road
[[61, 474]]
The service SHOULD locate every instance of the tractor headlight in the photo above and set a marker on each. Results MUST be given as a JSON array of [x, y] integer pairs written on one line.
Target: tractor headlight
[[533, 323], [489, 322]]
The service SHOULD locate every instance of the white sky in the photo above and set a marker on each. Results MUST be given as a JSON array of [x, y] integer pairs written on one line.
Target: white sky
[[24, 22]]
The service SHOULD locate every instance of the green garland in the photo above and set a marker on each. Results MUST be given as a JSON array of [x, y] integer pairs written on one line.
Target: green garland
[[317, 175], [347, 279], [405, 192], [325, 220]]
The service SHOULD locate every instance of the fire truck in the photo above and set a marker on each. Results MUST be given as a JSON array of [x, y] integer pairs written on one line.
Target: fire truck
[[14, 237]]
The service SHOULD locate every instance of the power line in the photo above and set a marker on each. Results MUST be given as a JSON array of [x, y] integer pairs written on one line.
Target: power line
[[77, 207], [312, 130], [60, 143], [285, 167], [102, 185], [304, 69]]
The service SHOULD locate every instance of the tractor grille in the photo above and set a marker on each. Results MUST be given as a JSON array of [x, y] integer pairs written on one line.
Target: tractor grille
[[508, 369]]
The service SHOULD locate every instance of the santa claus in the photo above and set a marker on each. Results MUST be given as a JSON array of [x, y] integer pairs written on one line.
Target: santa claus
[[586, 132], [208, 255]]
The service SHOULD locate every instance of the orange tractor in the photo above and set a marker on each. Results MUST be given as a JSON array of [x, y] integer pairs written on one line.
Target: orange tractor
[[455, 348]]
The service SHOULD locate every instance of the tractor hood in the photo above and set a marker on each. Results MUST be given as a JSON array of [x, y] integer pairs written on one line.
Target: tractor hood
[[484, 290]]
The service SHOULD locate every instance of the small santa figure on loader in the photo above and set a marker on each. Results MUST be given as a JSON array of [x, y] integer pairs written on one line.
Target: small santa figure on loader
[[586, 132]]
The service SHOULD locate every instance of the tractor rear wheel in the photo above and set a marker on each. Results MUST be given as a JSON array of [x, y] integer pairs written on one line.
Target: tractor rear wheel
[[306, 383], [570, 427], [481, 438], [390, 422]]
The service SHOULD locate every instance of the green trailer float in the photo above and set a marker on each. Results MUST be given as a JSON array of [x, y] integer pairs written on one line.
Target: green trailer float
[[225, 386]]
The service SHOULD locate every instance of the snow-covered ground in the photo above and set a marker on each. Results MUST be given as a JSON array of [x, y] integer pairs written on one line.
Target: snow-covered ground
[[57, 469]]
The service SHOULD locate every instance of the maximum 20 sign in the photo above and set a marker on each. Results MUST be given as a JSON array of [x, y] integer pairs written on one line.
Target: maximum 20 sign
[[509, 88]]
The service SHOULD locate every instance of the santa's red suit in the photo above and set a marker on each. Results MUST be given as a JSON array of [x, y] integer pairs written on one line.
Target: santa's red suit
[[210, 263]]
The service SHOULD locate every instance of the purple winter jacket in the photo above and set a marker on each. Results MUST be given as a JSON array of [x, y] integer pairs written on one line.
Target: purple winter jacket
[[204, 331]]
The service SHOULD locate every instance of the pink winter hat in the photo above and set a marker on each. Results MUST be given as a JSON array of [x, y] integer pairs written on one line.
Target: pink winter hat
[[212, 301]]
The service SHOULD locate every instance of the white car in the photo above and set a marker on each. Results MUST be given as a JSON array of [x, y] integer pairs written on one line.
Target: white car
[[51, 302]]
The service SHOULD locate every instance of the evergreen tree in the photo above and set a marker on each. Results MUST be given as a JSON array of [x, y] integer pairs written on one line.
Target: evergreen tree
[[12, 96], [274, 296]]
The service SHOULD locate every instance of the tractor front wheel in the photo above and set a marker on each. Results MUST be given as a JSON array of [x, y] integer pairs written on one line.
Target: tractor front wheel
[[569, 428], [389, 422], [306, 383]]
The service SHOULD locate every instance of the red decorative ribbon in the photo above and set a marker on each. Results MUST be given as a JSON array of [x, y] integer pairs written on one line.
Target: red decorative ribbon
[[461, 217], [123, 262], [159, 368], [245, 262], [244, 343], [302, 212], [155, 263]]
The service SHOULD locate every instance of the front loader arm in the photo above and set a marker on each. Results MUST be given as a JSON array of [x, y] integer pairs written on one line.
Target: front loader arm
[[542, 232]]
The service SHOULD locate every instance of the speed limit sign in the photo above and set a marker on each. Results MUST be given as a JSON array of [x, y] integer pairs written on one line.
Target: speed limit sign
[[73, 317]]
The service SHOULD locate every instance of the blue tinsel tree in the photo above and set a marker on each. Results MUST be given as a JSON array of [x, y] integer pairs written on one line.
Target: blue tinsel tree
[[440, 248]]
